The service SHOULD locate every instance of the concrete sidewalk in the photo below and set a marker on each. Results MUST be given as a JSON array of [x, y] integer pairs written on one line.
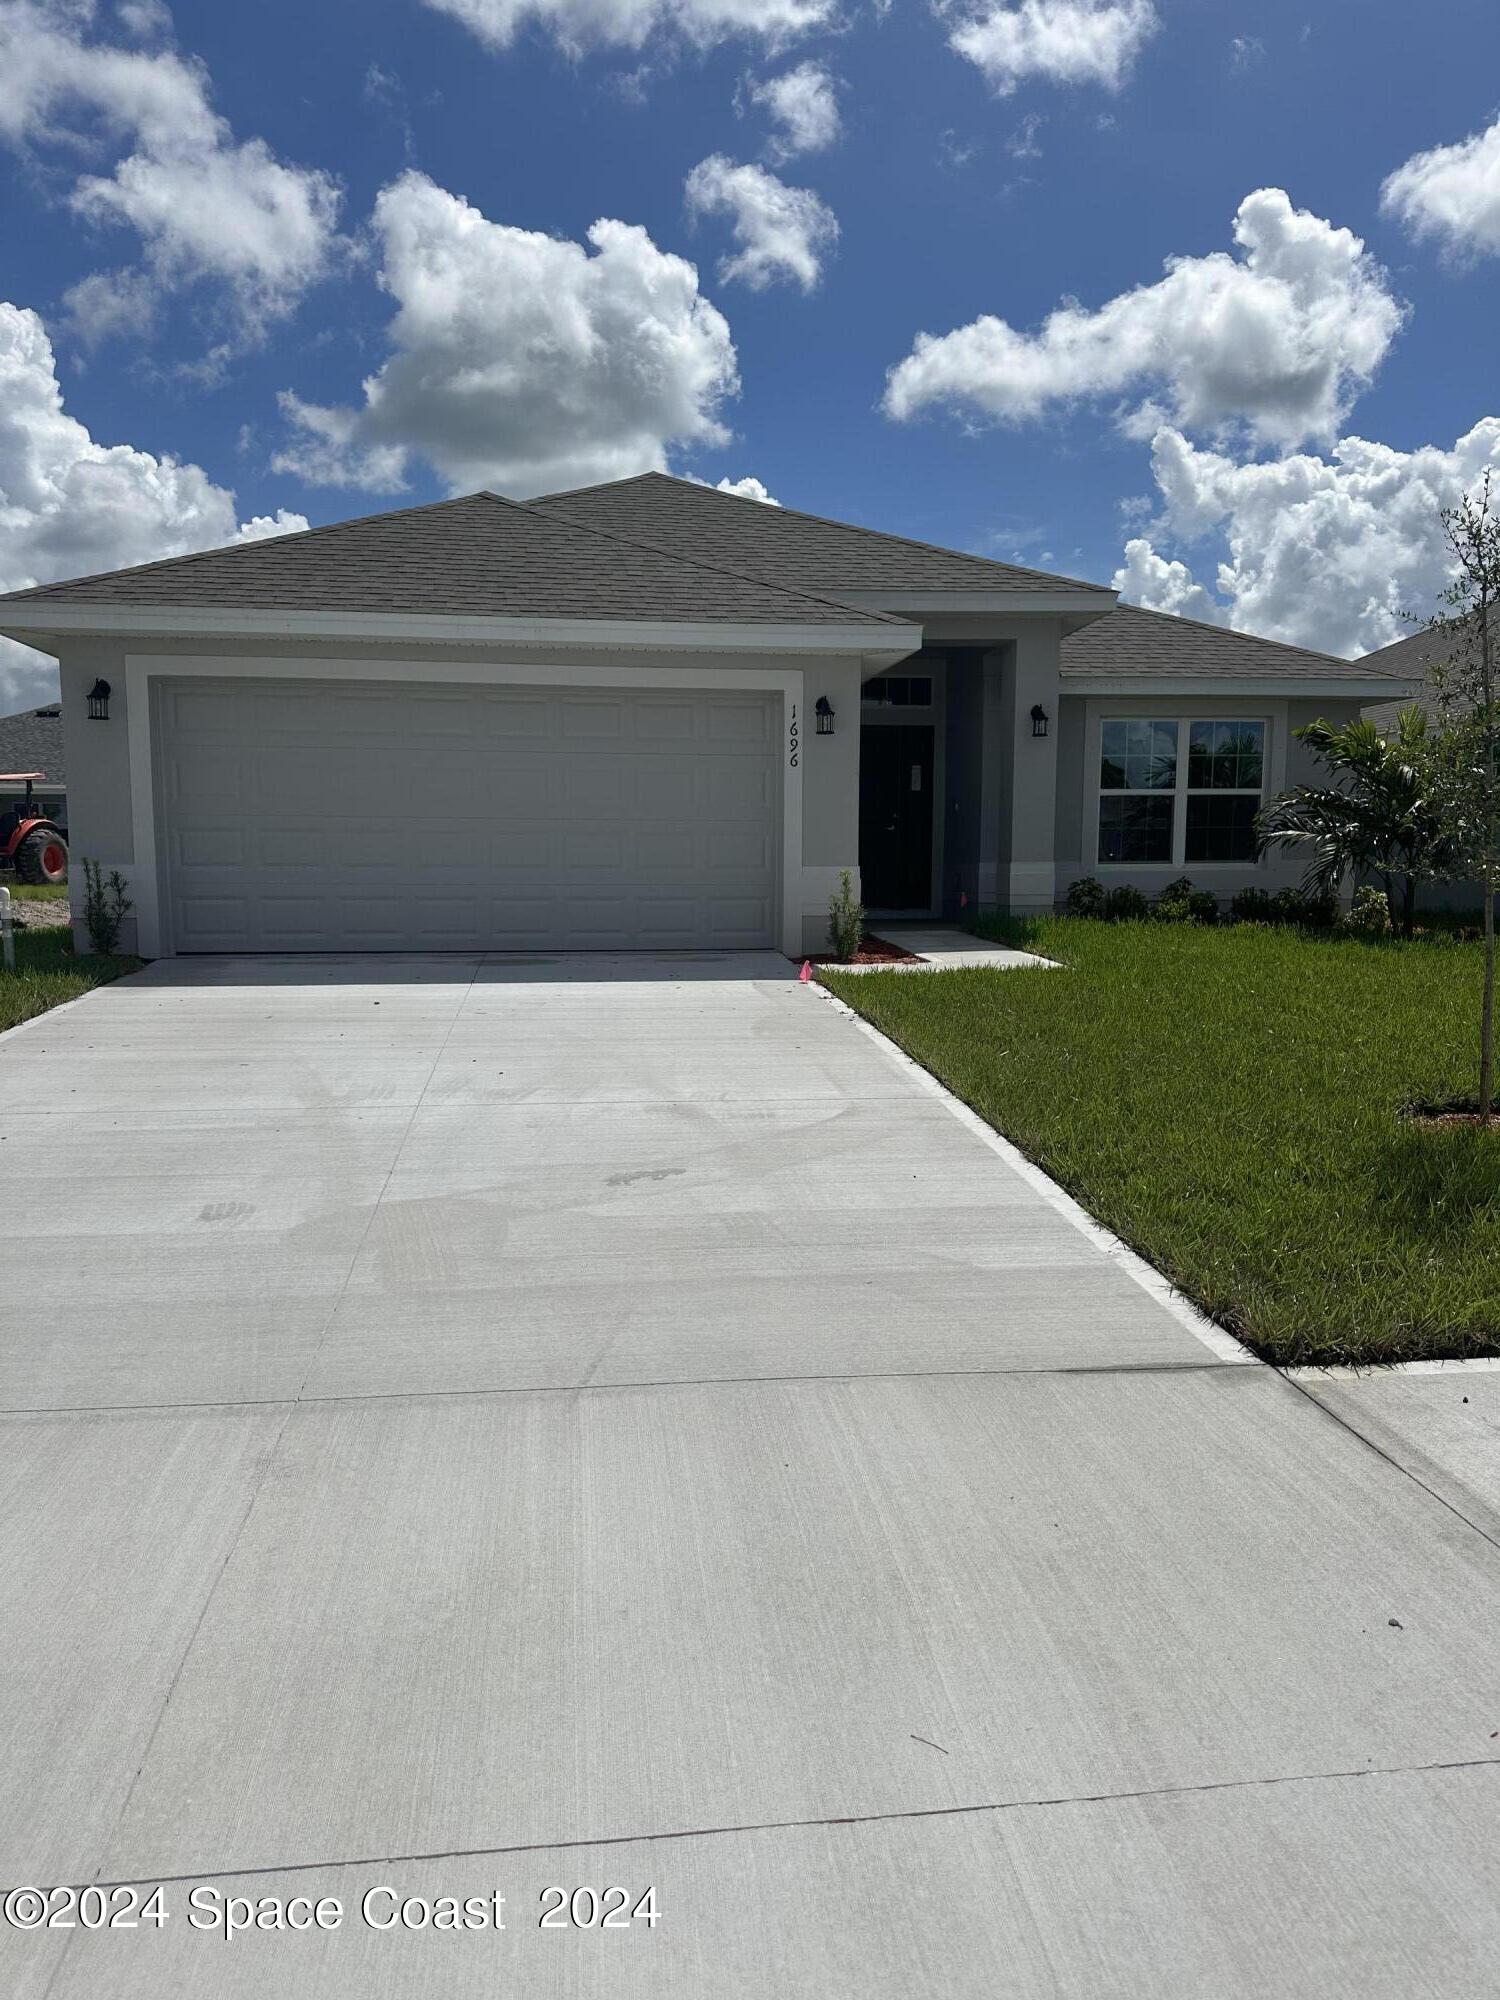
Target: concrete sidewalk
[[488, 1424]]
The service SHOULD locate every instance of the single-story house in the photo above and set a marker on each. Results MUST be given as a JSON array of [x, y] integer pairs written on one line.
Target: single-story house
[[32, 740], [643, 714], [1410, 662]]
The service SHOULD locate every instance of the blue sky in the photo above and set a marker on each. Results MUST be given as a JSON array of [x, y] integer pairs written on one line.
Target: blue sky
[[224, 220]]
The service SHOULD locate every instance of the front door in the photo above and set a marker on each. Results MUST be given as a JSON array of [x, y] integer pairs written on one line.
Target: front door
[[895, 815]]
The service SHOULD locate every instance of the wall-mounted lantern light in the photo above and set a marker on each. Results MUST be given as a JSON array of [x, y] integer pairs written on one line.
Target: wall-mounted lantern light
[[99, 702], [823, 710], [1039, 720]]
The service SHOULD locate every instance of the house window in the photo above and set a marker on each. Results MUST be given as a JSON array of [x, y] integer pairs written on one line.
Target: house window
[[898, 691], [1177, 791], [1137, 785]]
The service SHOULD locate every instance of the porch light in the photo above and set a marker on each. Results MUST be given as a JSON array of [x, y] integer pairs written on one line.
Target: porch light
[[99, 702], [823, 710], [1039, 720]]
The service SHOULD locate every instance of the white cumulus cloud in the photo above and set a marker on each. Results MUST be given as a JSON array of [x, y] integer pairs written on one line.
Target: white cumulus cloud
[[781, 231], [744, 489], [580, 25], [206, 207], [1323, 552], [1061, 41], [803, 104], [1279, 338], [521, 361], [1451, 193], [1161, 583], [71, 507]]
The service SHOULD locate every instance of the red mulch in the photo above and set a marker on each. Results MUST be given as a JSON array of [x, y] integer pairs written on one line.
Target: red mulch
[[874, 951]]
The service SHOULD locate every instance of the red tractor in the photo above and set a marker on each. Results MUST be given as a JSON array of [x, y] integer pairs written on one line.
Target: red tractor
[[32, 842]]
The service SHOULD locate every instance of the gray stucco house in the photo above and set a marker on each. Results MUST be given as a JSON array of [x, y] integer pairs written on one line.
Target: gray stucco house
[[644, 714]]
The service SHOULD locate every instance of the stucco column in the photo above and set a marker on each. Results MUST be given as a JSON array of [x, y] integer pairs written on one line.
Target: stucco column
[[1026, 676]]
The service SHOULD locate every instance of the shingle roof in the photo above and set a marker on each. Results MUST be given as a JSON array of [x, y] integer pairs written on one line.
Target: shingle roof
[[1412, 658], [478, 556], [1131, 640], [33, 741], [801, 551]]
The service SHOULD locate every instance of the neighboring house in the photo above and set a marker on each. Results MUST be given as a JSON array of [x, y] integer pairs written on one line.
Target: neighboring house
[[1411, 660], [646, 714], [32, 740]]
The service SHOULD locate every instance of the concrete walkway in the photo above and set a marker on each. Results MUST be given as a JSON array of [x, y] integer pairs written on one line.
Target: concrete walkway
[[484, 1425]]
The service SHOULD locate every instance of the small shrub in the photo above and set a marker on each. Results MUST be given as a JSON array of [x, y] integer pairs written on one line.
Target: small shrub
[[104, 906], [1174, 904], [1295, 906], [1125, 905], [1253, 906], [846, 921], [1085, 897], [1203, 906], [1369, 915]]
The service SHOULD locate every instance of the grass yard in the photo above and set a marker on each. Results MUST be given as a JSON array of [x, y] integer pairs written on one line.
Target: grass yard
[[1226, 1101], [47, 973], [38, 892]]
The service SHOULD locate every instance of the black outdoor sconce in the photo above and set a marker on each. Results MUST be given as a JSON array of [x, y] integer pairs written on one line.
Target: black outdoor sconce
[[99, 702], [823, 710], [1039, 720]]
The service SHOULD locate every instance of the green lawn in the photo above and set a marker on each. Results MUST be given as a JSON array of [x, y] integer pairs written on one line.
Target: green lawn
[[47, 973], [38, 892], [1227, 1101]]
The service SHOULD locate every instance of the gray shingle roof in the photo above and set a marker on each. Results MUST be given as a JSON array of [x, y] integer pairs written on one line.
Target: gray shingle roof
[[1135, 641], [478, 556], [33, 741], [1412, 658], [802, 551]]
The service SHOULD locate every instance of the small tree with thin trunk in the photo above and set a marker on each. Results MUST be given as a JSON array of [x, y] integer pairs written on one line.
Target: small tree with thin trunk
[[1465, 747]]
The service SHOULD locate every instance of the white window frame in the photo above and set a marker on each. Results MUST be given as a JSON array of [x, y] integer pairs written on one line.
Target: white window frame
[[1182, 720]]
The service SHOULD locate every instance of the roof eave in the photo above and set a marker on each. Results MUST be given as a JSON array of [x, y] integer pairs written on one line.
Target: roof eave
[[42, 620], [1315, 687]]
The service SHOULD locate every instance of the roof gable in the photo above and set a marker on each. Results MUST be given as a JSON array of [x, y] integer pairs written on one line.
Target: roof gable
[[800, 551], [478, 556]]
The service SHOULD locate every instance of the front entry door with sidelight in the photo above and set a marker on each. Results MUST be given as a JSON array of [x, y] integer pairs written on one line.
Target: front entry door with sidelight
[[895, 815]]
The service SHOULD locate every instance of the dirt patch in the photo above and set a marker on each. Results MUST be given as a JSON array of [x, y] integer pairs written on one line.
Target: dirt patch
[[1438, 1117], [51, 914], [874, 951]]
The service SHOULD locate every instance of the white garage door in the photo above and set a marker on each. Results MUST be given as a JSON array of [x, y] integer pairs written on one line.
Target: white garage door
[[334, 816]]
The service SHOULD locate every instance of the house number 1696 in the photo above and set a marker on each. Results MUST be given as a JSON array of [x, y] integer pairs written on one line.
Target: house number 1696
[[793, 739]]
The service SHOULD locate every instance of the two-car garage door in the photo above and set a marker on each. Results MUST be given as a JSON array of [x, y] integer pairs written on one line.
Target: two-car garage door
[[380, 816]]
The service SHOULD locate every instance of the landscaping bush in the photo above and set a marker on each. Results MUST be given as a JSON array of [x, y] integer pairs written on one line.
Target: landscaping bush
[[1253, 906], [1125, 905], [846, 921], [104, 906], [1085, 897], [1369, 915], [1296, 906], [1173, 906], [1203, 906]]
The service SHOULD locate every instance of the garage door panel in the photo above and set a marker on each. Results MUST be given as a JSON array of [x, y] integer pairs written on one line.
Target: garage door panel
[[328, 816]]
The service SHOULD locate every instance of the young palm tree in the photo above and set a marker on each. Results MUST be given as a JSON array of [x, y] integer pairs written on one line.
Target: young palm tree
[[1379, 817]]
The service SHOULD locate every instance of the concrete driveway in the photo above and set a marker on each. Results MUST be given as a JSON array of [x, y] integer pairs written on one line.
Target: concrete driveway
[[482, 1425]]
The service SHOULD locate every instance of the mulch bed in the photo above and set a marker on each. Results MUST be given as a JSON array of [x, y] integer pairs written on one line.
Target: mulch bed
[[874, 951], [1439, 1117]]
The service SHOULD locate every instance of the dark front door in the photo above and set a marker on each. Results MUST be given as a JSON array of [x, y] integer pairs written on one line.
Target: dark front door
[[895, 816]]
